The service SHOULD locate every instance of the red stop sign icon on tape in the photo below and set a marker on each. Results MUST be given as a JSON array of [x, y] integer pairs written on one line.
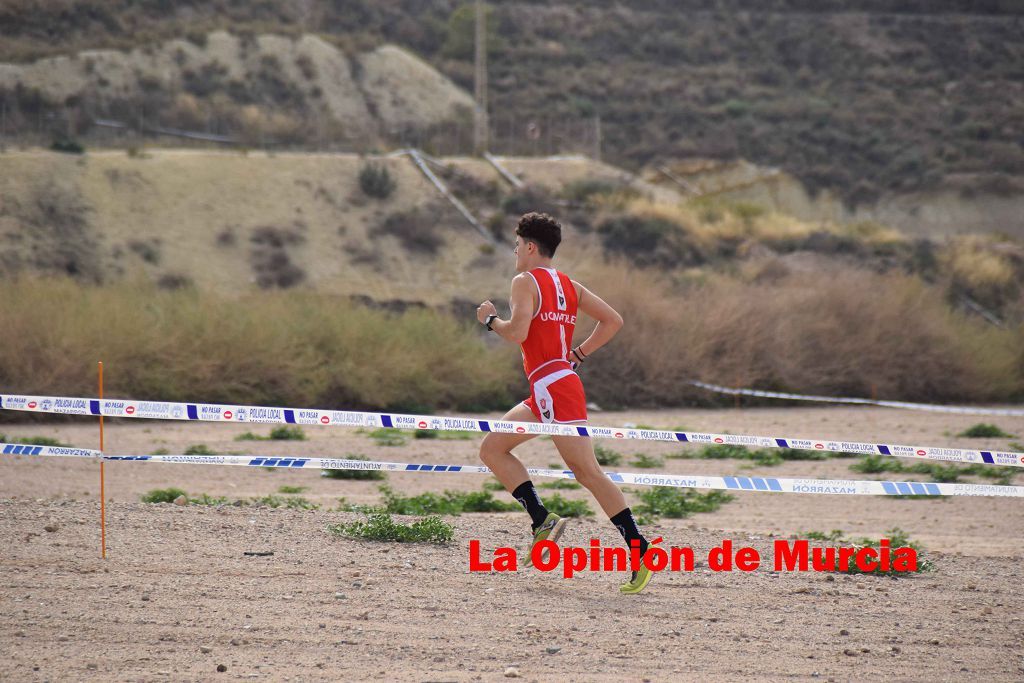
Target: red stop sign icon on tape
[[818, 445], [520, 429], [227, 414], [421, 424], [324, 419], [922, 452], [130, 410], [719, 440], [619, 435], [32, 405]]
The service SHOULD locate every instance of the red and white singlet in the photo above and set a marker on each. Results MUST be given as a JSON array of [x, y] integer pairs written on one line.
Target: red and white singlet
[[556, 392]]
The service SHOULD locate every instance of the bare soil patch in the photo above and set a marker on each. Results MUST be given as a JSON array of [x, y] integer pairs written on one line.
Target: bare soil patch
[[177, 596]]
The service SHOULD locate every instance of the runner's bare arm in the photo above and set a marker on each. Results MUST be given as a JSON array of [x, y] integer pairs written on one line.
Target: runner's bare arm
[[522, 304], [609, 322]]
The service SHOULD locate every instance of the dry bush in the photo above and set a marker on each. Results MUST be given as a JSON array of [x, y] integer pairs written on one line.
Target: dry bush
[[276, 348], [270, 259], [417, 229], [834, 333], [985, 268], [260, 125]]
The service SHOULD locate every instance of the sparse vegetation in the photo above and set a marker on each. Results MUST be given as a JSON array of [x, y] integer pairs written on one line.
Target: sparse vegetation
[[448, 503], [444, 435], [358, 475], [282, 433], [984, 430], [36, 441], [199, 449], [606, 457], [664, 501], [561, 484], [168, 495], [646, 461], [287, 434], [564, 507], [897, 539], [380, 527], [289, 502], [291, 489], [389, 436], [938, 472]]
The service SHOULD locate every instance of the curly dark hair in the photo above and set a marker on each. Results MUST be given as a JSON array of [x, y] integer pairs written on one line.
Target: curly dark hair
[[542, 230]]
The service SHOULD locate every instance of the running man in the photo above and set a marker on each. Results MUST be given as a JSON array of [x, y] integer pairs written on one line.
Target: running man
[[544, 305]]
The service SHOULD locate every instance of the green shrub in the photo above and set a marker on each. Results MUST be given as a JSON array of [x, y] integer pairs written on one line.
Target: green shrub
[[167, 495], [804, 454], [358, 475], [606, 457], [291, 503], [448, 503], [725, 451], [563, 507], [206, 499], [389, 436], [380, 527], [663, 501], [897, 539], [375, 180], [287, 434], [875, 464], [563, 484], [646, 461], [67, 146], [984, 430], [455, 435], [199, 449]]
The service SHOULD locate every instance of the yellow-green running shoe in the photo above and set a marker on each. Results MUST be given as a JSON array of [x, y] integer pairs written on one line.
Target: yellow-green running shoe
[[550, 530], [639, 581]]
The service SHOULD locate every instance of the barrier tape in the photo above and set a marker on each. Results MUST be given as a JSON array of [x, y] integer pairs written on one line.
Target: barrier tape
[[266, 415], [685, 481], [930, 407]]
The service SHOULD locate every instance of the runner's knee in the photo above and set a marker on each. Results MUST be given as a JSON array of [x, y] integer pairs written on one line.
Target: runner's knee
[[586, 475]]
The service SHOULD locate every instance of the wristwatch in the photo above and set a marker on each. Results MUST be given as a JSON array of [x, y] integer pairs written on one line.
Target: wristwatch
[[490, 319]]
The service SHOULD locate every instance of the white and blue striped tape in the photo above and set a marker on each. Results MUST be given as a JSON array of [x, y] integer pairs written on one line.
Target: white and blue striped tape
[[929, 407], [731, 483], [259, 414]]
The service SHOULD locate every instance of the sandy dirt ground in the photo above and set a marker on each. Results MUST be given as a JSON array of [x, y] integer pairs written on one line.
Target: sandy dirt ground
[[177, 596]]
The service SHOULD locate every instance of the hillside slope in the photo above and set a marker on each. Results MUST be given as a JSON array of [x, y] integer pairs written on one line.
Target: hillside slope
[[865, 97], [232, 222], [265, 89]]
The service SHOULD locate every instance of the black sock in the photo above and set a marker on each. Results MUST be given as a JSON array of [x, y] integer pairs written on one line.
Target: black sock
[[626, 525], [527, 496]]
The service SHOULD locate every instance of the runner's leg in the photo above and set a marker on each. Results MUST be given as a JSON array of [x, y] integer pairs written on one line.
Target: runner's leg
[[496, 450], [578, 454]]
